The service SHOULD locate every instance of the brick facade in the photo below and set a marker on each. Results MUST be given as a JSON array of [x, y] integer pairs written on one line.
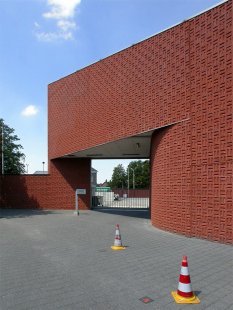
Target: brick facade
[[171, 178], [178, 81], [211, 124], [192, 187], [135, 90], [54, 191]]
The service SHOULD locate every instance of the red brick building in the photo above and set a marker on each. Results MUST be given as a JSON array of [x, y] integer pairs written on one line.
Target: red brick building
[[167, 98]]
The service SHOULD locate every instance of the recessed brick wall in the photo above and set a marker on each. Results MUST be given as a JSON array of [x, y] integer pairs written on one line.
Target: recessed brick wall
[[171, 178], [54, 191]]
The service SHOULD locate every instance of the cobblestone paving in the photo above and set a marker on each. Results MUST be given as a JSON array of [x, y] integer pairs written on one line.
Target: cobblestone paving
[[55, 260]]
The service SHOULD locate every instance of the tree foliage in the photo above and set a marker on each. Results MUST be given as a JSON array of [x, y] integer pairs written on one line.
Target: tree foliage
[[11, 150], [118, 177], [138, 173]]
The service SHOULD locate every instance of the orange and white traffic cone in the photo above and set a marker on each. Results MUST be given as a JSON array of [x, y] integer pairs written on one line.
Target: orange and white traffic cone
[[117, 241], [184, 294]]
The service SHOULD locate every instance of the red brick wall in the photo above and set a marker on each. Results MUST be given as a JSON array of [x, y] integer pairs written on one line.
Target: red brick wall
[[66, 176], [183, 74], [170, 178], [137, 89], [25, 192], [54, 191], [133, 193], [191, 183], [211, 123]]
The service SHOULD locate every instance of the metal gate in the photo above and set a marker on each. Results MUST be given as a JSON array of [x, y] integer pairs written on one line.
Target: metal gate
[[120, 198]]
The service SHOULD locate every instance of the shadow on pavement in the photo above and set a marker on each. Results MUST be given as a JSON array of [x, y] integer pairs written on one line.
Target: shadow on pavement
[[22, 213], [140, 213], [197, 293]]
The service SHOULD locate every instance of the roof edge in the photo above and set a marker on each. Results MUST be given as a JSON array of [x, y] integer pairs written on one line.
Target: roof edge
[[145, 39]]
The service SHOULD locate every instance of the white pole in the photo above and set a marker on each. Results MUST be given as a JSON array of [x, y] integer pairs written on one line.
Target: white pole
[[76, 212], [128, 181], [133, 178]]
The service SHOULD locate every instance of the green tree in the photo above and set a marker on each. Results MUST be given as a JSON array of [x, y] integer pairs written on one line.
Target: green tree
[[139, 174], [146, 174], [11, 153], [118, 177]]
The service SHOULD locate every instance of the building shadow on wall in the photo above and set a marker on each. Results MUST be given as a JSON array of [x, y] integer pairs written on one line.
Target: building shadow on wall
[[132, 212], [22, 213], [73, 170], [15, 200], [158, 136], [77, 174]]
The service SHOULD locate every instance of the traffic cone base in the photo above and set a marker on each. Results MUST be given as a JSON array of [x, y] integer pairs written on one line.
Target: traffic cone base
[[185, 300], [117, 248]]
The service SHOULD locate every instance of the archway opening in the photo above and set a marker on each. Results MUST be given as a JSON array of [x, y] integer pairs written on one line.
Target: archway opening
[[121, 184]]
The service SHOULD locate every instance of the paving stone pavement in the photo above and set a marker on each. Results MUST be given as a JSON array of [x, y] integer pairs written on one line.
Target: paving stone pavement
[[55, 260]]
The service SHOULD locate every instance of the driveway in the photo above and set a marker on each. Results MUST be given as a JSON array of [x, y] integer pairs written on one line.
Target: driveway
[[55, 260]]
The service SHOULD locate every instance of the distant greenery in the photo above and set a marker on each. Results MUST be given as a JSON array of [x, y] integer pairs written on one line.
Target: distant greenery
[[119, 177], [138, 168], [12, 154]]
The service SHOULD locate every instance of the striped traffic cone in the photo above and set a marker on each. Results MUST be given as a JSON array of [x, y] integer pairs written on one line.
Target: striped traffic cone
[[117, 241], [184, 294]]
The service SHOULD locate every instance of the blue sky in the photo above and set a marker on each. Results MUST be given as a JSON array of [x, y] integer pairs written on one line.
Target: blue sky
[[44, 40]]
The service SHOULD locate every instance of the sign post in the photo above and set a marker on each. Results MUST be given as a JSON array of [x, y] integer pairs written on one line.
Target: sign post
[[79, 191]]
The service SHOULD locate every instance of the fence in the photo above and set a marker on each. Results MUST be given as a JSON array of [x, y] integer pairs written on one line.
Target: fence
[[122, 198]]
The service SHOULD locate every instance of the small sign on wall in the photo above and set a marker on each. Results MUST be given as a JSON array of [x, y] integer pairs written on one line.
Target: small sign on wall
[[80, 191]]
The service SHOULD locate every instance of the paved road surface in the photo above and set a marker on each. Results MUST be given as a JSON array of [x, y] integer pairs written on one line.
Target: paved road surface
[[54, 260]]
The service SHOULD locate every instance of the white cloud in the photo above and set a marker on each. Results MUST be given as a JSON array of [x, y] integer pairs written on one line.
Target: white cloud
[[66, 25], [36, 25], [54, 36], [61, 9], [30, 110], [63, 12]]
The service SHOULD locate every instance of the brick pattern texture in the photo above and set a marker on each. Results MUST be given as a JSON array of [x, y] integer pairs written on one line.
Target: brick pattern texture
[[179, 81], [211, 123], [171, 179], [55, 191], [192, 188], [135, 90]]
